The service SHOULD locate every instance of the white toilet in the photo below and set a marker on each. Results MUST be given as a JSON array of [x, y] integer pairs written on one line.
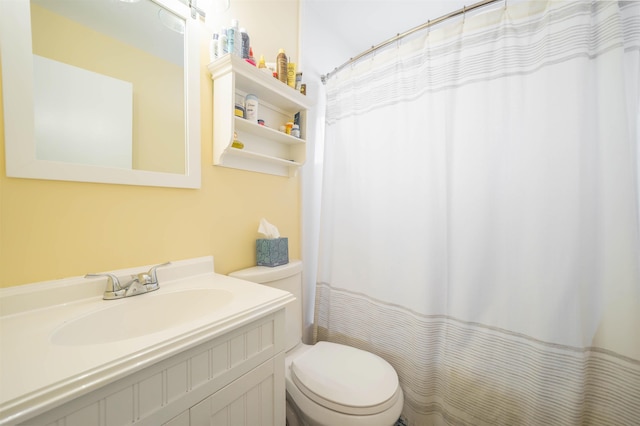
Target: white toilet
[[329, 384]]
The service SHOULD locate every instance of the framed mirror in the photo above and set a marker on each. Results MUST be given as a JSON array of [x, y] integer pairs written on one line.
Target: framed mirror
[[101, 91]]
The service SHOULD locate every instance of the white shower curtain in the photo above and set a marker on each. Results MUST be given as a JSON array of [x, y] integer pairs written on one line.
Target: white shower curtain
[[480, 226]]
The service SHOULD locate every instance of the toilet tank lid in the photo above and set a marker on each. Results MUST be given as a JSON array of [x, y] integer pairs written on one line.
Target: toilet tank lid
[[265, 274]]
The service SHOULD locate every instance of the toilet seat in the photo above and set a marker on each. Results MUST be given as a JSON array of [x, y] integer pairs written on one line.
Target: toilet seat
[[345, 379]]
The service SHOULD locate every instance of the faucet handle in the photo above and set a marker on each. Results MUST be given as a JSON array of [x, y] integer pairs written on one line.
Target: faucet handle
[[152, 272], [113, 284]]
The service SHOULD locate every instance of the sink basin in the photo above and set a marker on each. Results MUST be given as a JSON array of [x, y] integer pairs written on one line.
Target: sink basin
[[138, 316]]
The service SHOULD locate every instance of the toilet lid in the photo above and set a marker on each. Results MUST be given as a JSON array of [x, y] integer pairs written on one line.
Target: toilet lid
[[345, 379]]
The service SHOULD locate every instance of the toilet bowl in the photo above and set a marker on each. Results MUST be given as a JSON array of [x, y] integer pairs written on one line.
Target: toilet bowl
[[329, 384]]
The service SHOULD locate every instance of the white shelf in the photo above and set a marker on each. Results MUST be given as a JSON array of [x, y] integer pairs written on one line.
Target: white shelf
[[266, 150], [265, 132], [267, 158]]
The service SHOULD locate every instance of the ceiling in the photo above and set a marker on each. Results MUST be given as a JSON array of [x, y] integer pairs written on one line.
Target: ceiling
[[336, 30]]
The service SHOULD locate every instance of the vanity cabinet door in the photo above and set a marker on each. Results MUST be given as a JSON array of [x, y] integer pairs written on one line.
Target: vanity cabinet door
[[257, 398]]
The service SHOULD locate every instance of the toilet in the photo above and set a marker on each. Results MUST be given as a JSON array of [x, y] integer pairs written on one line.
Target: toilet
[[328, 384]]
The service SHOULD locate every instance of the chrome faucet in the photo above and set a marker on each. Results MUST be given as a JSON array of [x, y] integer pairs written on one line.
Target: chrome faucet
[[138, 284]]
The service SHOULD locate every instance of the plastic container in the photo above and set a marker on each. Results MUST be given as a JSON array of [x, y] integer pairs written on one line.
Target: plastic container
[[251, 108], [295, 131]]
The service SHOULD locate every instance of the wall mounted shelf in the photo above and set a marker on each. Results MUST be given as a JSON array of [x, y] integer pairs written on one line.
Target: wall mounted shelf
[[266, 149]]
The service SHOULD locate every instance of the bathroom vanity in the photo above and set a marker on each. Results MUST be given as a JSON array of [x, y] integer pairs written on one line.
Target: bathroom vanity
[[203, 349]]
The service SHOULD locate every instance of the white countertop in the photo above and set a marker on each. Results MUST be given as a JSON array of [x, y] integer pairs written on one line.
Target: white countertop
[[37, 375]]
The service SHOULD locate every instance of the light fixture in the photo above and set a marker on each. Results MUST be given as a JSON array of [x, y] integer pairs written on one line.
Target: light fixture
[[171, 21], [195, 10]]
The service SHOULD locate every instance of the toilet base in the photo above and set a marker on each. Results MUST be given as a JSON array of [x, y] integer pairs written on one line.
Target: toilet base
[[293, 417], [296, 417]]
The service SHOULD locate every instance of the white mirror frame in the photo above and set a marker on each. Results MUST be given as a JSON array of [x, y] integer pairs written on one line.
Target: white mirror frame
[[17, 87]]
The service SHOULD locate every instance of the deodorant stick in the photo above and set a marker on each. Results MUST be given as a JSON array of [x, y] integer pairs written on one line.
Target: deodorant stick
[[251, 108]]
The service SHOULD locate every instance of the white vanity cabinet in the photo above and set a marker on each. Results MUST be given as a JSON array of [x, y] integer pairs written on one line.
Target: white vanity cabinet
[[154, 362], [266, 149], [234, 379]]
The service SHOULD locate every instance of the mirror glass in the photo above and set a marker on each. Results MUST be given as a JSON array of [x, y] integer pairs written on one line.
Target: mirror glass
[[107, 93], [113, 91]]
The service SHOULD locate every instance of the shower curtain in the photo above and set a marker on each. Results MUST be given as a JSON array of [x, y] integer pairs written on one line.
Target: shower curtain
[[479, 226]]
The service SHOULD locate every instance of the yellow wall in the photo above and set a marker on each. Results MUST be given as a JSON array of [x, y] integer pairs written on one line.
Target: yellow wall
[[54, 229]]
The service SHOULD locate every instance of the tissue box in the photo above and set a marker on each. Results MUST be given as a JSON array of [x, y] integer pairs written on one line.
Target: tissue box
[[272, 252]]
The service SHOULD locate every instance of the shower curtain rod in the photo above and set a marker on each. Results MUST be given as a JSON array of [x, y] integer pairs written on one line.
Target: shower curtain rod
[[399, 36]]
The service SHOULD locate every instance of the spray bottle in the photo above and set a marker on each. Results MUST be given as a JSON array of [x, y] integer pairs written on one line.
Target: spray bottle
[[281, 64]]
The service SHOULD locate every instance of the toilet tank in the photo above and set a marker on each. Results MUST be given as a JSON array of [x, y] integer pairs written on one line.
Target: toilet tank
[[285, 277]]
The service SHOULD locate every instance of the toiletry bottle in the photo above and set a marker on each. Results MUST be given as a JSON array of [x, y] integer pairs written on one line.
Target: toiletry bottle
[[251, 108], [245, 43], [295, 131], [238, 43], [251, 59], [291, 74], [281, 62], [222, 42], [262, 63], [231, 40], [234, 40], [298, 80], [213, 48]]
